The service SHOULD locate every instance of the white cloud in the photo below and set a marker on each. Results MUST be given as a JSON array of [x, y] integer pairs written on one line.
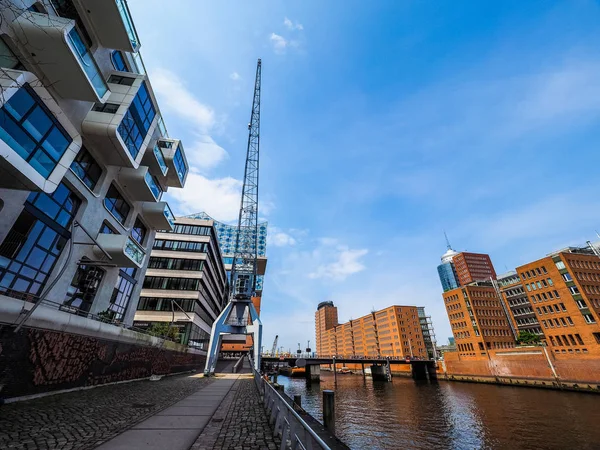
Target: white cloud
[[235, 76], [291, 25], [220, 197], [279, 43], [280, 239], [347, 262], [177, 99], [205, 153]]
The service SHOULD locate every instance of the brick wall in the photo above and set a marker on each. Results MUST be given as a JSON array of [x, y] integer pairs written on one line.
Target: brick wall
[[526, 364], [35, 361]]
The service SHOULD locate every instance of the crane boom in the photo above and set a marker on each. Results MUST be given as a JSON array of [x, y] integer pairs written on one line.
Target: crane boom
[[274, 345], [239, 315]]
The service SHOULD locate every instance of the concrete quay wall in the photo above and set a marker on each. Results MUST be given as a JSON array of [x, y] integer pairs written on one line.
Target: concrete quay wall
[[530, 366]]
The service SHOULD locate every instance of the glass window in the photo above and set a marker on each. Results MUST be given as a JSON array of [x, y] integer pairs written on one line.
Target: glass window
[[560, 265], [86, 168], [31, 130], [138, 232], [109, 108], [567, 277], [116, 204], [106, 229], [8, 59], [177, 284], [184, 246], [152, 183], [180, 164], [118, 61], [122, 294], [137, 121], [119, 79], [83, 289], [31, 248]]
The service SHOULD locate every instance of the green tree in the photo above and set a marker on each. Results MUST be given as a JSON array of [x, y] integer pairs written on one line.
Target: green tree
[[526, 337], [162, 329]]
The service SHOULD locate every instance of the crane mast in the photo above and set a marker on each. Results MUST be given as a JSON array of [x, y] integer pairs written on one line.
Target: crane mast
[[274, 349], [240, 316]]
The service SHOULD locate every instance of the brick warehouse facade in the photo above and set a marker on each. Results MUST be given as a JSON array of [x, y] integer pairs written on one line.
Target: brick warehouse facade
[[478, 319], [395, 331], [556, 298], [564, 292]]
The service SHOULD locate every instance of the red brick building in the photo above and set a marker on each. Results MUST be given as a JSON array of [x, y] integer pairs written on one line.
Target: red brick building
[[472, 267]]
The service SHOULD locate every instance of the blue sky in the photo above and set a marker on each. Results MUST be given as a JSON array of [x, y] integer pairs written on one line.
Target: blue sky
[[383, 124]]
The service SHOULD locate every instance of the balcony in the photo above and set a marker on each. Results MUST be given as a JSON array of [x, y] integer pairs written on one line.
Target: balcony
[[158, 215], [139, 184], [60, 52], [155, 159], [112, 24], [122, 127], [124, 251], [37, 141], [176, 161]]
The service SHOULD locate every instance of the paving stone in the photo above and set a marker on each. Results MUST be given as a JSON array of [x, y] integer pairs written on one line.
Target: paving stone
[[85, 419]]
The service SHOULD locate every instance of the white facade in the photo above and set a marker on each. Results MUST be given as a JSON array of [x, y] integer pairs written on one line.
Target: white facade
[[81, 150]]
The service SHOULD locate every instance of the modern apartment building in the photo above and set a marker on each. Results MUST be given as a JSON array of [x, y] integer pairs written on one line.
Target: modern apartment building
[[395, 331], [85, 158], [428, 333], [564, 293], [185, 282], [227, 235], [478, 319]]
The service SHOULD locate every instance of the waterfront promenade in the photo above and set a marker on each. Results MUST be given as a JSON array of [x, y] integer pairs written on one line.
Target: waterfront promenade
[[179, 412]]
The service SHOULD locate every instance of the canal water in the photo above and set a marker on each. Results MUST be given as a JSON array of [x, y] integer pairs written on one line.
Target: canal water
[[452, 415]]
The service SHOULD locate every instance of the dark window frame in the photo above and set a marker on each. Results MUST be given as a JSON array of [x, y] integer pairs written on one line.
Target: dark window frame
[[86, 168], [120, 213]]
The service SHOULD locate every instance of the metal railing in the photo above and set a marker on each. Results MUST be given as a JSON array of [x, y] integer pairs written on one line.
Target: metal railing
[[294, 432]]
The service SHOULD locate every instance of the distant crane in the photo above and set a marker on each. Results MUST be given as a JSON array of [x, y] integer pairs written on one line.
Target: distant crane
[[240, 316], [274, 349]]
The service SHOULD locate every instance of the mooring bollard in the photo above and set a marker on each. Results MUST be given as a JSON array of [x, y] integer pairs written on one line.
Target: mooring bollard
[[297, 402], [329, 411]]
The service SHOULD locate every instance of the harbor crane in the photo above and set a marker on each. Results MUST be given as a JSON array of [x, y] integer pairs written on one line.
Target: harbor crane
[[240, 316], [274, 349]]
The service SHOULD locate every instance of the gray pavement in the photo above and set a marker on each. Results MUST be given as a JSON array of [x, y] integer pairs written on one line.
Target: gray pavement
[[176, 427]]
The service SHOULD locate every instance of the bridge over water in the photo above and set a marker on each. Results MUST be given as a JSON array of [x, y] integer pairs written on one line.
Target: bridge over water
[[380, 367]]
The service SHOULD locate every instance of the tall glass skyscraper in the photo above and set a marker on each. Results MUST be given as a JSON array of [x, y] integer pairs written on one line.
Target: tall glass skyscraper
[[447, 272]]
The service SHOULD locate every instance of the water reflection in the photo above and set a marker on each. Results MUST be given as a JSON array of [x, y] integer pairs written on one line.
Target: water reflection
[[403, 414]]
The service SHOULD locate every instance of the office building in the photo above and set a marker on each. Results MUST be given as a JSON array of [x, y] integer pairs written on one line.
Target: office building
[[395, 331], [185, 282], [472, 267], [85, 158], [478, 319], [517, 302], [447, 271], [564, 293], [227, 234], [326, 317]]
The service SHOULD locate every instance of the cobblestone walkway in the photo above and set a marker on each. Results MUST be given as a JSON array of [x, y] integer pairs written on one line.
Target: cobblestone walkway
[[240, 423], [85, 419]]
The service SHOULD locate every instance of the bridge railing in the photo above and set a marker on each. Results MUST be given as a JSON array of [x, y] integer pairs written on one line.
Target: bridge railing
[[294, 432]]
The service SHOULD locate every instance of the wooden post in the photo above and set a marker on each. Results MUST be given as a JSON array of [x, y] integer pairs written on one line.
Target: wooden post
[[297, 402], [334, 372], [329, 411], [363, 370]]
